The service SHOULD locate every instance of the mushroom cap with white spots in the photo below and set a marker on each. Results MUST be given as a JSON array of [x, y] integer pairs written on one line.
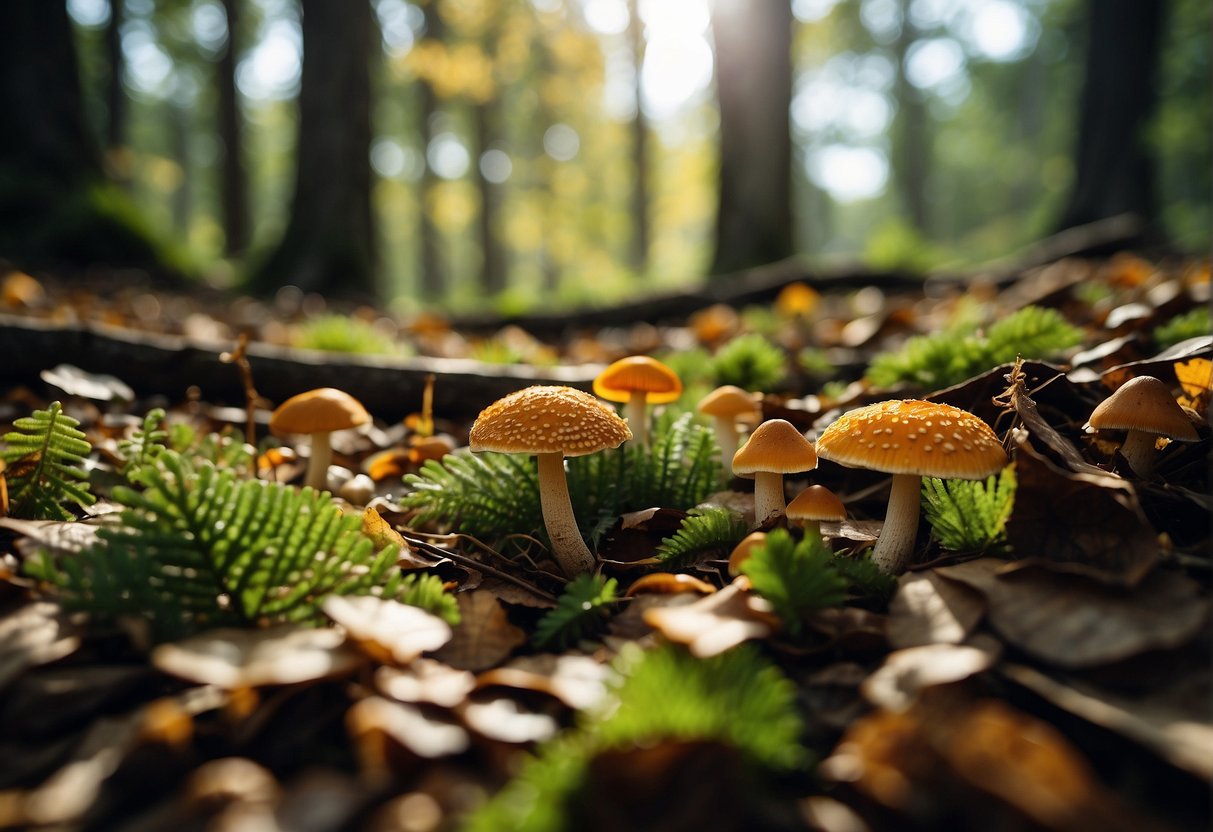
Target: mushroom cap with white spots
[[914, 437], [542, 420], [1144, 403]]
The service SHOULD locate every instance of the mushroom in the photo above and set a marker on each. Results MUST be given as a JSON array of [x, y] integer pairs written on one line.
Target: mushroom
[[552, 423], [318, 413], [775, 448], [910, 439], [638, 380], [1144, 407], [726, 405], [744, 548], [814, 504]]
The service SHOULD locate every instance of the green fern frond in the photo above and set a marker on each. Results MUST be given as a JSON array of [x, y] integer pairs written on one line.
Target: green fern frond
[[487, 496], [44, 459], [960, 352], [737, 698], [144, 442], [864, 578], [197, 547], [428, 593], [797, 578], [704, 533], [1182, 327], [750, 362], [579, 612], [970, 515]]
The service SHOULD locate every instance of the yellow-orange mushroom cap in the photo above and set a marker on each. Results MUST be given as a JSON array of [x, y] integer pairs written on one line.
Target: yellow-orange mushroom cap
[[1144, 407], [775, 448], [638, 373], [318, 413], [911, 439]]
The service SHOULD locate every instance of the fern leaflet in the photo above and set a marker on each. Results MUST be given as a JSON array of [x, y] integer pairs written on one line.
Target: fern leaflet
[[970, 515], [44, 458], [579, 612], [797, 578], [141, 446], [705, 533], [864, 578], [428, 593]]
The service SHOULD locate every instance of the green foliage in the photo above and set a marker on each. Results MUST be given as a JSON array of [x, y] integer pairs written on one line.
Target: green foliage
[[224, 449], [864, 578], [491, 495], [144, 442], [797, 578], [955, 354], [428, 593], [342, 333], [737, 698], [44, 458], [1191, 324], [579, 613], [969, 515], [704, 533], [198, 548], [750, 362]]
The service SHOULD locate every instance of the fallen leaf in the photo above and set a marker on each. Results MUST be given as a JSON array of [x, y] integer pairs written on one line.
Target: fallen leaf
[[485, 636], [387, 630], [577, 681], [231, 658], [77, 382], [929, 609], [425, 681], [34, 634], [504, 719], [1196, 379], [905, 673], [717, 622], [1075, 622], [374, 722]]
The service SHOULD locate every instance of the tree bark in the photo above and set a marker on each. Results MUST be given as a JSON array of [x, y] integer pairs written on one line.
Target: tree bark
[[433, 278], [640, 149], [233, 185], [115, 90], [1114, 173], [493, 260], [754, 89], [911, 151], [329, 243]]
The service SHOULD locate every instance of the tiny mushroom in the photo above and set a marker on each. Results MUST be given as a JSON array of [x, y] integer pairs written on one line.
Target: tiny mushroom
[[775, 448], [814, 504], [726, 405], [318, 413], [910, 439], [1144, 407], [552, 423], [638, 380]]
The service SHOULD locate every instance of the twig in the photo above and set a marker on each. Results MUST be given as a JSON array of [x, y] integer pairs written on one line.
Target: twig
[[239, 357], [480, 566]]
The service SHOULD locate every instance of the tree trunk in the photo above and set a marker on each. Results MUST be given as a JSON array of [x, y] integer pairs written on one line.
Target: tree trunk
[[493, 262], [233, 184], [433, 279], [911, 152], [640, 150], [183, 197], [115, 90], [328, 246], [754, 89], [1114, 173]]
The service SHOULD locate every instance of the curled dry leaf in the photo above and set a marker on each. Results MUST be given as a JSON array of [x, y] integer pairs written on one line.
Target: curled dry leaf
[[485, 636], [905, 673], [504, 719], [717, 622], [34, 634], [930, 609], [425, 681], [377, 724], [232, 658], [1075, 622], [1087, 523], [230, 780], [577, 681], [386, 630]]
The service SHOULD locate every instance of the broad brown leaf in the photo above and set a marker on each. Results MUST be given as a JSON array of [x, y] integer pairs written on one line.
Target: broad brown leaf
[[929, 609], [485, 636]]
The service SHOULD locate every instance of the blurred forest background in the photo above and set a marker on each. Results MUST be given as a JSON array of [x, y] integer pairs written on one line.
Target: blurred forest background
[[507, 153]]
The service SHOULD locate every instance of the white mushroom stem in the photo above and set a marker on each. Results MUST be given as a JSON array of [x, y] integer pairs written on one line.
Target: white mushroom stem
[[900, 530], [637, 416], [1138, 451], [726, 437], [768, 496], [568, 547], [318, 462]]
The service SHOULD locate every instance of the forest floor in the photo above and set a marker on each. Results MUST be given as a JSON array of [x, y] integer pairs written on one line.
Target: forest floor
[[1045, 663]]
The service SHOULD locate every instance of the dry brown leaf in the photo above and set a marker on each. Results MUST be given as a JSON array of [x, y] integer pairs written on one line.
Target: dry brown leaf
[[231, 658], [426, 681], [34, 634], [504, 719], [1075, 622], [1087, 523], [485, 636], [387, 630], [375, 723], [577, 681], [905, 673], [717, 622], [59, 537], [929, 609]]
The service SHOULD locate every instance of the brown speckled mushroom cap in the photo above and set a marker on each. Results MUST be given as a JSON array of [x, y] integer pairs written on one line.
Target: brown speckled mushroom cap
[[1144, 403], [322, 410], [775, 446], [914, 437], [542, 419], [618, 381]]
